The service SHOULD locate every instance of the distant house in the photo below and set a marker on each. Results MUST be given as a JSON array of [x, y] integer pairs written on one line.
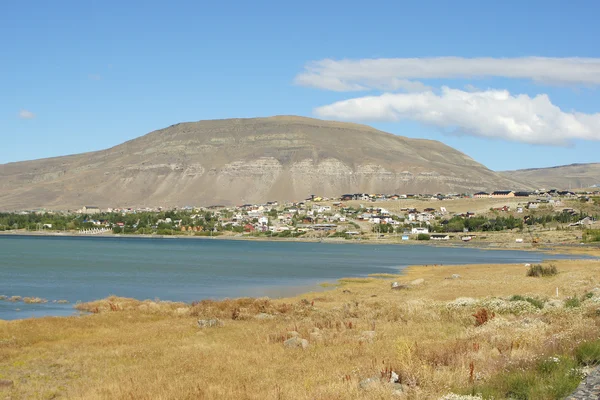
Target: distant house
[[522, 194], [90, 210], [481, 195], [440, 237], [416, 231], [263, 220], [502, 194]]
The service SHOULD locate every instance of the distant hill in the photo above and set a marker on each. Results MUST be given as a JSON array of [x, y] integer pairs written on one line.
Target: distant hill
[[562, 177], [236, 161]]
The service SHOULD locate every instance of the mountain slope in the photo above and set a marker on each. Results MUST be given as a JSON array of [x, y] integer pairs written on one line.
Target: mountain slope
[[562, 177], [238, 161]]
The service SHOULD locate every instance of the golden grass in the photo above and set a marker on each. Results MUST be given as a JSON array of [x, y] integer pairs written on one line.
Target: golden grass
[[130, 349]]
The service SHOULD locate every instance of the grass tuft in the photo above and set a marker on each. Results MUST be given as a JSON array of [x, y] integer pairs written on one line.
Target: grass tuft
[[588, 353], [537, 303], [538, 270], [551, 378], [572, 302]]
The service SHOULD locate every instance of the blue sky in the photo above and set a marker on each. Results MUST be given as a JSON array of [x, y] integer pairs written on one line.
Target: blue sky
[[79, 76]]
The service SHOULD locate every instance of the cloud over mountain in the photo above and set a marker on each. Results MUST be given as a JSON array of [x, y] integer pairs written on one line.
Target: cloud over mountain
[[490, 113]]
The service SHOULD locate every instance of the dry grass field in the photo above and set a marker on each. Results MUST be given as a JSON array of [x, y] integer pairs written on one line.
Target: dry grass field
[[423, 335]]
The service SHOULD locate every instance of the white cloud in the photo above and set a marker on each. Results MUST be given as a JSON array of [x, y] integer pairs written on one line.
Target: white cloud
[[471, 88], [24, 114], [490, 113], [399, 73]]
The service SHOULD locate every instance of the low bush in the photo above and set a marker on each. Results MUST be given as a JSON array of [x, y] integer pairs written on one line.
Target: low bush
[[552, 378], [482, 316], [588, 353], [591, 235], [423, 236], [587, 296], [539, 270], [537, 303], [572, 302]]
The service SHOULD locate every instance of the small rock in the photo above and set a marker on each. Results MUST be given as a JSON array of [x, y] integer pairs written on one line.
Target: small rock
[[296, 342], [417, 282], [316, 337], [5, 383], [346, 291], [394, 378], [263, 315], [398, 286], [367, 383], [210, 323], [398, 389], [455, 276]]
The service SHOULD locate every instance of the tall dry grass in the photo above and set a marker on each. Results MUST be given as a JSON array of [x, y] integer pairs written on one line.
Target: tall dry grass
[[427, 335]]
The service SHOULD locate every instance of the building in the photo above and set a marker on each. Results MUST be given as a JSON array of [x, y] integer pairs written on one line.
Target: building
[[90, 210], [522, 194], [416, 231], [442, 236], [502, 194], [481, 195]]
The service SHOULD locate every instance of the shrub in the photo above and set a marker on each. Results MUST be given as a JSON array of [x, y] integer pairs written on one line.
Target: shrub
[[591, 235], [482, 316], [537, 303], [423, 236], [572, 302], [553, 378], [588, 353], [538, 270]]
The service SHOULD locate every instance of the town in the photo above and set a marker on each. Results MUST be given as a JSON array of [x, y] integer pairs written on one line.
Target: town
[[530, 217]]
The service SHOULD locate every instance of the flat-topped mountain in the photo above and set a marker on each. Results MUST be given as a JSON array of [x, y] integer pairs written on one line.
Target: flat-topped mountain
[[562, 177], [237, 161]]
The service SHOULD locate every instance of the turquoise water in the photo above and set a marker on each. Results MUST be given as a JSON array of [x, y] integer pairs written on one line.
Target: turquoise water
[[84, 268]]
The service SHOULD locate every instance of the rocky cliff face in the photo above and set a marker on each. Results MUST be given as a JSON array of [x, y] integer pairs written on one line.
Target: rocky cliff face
[[244, 161]]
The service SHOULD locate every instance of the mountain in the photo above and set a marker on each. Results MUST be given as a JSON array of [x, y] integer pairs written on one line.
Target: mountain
[[236, 161], [562, 177]]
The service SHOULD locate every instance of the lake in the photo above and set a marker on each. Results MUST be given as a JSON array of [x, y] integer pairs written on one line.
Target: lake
[[90, 268]]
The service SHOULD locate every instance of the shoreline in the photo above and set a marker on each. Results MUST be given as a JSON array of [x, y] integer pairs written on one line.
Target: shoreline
[[557, 248], [287, 292], [327, 335]]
